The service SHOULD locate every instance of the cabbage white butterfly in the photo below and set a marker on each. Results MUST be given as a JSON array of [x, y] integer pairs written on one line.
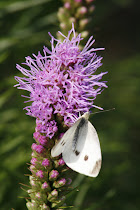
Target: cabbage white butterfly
[[80, 147]]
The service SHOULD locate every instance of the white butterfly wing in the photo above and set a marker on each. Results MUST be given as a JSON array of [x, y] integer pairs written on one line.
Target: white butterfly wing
[[65, 141], [88, 161]]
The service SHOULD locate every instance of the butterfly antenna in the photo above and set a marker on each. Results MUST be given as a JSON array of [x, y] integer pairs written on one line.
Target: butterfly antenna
[[104, 111], [80, 114]]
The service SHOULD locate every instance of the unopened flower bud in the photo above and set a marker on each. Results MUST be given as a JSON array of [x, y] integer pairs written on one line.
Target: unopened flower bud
[[30, 191], [32, 168], [33, 155], [83, 23], [45, 186], [44, 207], [63, 25], [32, 181], [36, 135], [61, 14], [38, 148], [42, 140], [33, 161], [89, 1], [84, 34], [53, 175], [59, 183], [46, 162], [67, 5], [81, 11], [40, 174], [33, 146], [53, 195], [72, 20], [59, 202], [78, 1], [38, 195], [91, 8], [31, 205], [59, 162]]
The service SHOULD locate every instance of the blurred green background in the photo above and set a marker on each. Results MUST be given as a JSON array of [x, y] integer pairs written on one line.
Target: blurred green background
[[24, 27]]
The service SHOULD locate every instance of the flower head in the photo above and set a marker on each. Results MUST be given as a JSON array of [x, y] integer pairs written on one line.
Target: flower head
[[62, 81]]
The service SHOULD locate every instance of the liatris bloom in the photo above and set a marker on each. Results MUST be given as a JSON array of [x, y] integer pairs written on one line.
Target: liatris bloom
[[61, 83]]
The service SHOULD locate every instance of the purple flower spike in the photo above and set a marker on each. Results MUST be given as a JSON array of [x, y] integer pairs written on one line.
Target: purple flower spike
[[61, 81], [61, 84]]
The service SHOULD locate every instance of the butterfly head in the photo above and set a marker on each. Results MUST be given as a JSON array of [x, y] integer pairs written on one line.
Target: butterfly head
[[86, 115]]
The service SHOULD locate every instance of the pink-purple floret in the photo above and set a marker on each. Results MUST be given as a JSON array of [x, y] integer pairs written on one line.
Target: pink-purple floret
[[62, 181], [61, 162], [40, 174], [62, 81], [54, 174], [38, 148], [45, 162], [33, 161], [45, 185]]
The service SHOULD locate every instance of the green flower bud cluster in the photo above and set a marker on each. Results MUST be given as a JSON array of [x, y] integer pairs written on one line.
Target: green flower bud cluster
[[49, 180], [78, 12]]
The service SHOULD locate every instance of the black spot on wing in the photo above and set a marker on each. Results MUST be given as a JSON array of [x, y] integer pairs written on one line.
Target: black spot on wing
[[77, 152], [96, 167], [86, 158], [63, 143]]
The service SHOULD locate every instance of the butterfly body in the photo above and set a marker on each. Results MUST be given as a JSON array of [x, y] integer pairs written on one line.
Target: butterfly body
[[80, 147]]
